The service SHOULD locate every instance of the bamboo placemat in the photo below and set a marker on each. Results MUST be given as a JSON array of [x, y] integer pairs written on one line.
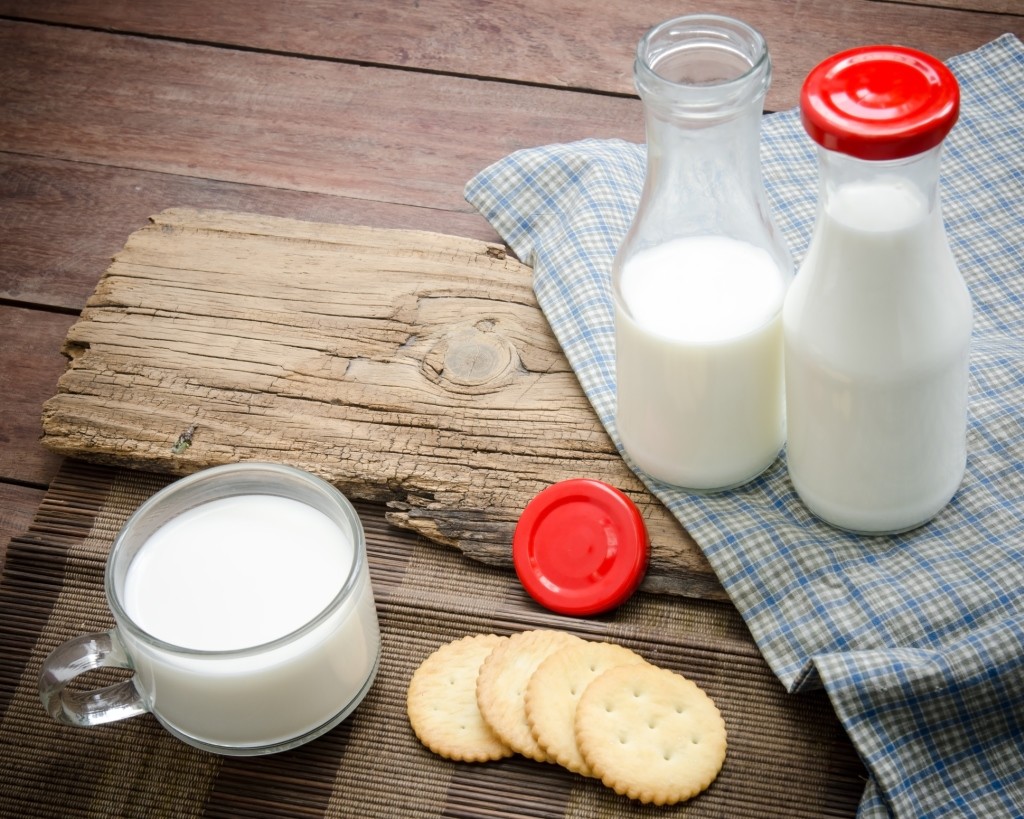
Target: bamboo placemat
[[787, 757]]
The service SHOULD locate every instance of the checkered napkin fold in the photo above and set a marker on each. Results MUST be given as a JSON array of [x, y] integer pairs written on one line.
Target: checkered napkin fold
[[917, 638]]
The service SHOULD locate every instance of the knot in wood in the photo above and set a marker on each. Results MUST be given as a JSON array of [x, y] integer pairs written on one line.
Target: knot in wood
[[472, 360]]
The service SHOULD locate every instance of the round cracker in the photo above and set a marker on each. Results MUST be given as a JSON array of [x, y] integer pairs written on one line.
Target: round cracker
[[555, 688], [501, 686], [650, 734], [441, 702]]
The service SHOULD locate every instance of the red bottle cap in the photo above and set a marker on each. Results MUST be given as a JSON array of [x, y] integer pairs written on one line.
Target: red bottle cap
[[580, 547], [879, 102]]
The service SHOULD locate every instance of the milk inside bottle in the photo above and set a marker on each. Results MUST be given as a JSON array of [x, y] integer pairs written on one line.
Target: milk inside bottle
[[700, 278], [698, 360]]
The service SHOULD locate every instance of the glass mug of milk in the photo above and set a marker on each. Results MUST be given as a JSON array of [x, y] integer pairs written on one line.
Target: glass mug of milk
[[243, 604]]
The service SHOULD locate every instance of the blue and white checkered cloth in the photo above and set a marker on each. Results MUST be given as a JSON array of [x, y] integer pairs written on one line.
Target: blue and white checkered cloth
[[917, 638]]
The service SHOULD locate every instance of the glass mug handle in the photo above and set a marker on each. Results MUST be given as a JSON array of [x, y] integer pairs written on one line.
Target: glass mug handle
[[75, 657]]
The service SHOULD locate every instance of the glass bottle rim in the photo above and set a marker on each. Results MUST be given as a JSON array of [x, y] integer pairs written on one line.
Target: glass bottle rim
[[703, 35]]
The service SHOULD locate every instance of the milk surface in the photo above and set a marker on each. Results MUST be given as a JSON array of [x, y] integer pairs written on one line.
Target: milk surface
[[230, 576], [237, 572], [877, 337], [699, 361]]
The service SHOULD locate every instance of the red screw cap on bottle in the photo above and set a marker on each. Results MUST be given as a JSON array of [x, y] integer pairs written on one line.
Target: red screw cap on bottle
[[879, 102], [580, 547]]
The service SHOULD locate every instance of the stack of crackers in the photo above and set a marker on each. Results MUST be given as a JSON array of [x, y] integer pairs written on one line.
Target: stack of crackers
[[596, 708]]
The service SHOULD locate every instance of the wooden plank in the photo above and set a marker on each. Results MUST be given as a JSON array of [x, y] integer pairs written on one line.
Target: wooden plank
[[570, 43], [276, 121], [30, 364], [406, 367], [18, 504], [1014, 7], [71, 218]]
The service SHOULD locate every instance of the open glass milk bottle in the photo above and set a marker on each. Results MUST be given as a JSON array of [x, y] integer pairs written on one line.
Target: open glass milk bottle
[[878, 321], [700, 277]]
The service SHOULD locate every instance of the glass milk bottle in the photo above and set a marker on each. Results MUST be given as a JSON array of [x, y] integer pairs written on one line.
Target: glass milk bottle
[[700, 277], [878, 321]]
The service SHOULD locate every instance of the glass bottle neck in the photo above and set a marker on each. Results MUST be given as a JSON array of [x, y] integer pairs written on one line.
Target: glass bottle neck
[[844, 178], [702, 80], [698, 154], [702, 69]]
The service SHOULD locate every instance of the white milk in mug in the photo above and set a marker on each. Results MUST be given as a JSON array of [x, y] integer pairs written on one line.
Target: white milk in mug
[[243, 603], [238, 573], [698, 339]]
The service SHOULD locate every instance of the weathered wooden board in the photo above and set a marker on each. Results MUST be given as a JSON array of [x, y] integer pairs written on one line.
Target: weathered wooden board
[[406, 367]]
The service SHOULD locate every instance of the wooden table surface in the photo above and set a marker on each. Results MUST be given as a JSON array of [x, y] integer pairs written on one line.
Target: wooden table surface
[[361, 112], [353, 111]]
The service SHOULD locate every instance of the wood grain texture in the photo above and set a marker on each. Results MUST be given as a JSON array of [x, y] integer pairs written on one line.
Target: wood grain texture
[[30, 364], [569, 43], [64, 221], [275, 121], [405, 367], [1005, 7]]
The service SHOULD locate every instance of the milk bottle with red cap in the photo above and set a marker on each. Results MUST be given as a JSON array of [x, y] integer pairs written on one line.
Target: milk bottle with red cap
[[877, 323]]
